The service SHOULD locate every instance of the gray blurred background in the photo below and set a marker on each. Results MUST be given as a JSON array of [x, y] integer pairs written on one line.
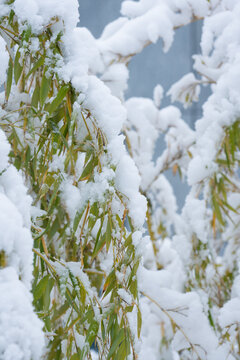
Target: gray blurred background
[[152, 66]]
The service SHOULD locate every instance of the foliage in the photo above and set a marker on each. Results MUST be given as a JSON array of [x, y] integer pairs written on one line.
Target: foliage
[[66, 296], [98, 281]]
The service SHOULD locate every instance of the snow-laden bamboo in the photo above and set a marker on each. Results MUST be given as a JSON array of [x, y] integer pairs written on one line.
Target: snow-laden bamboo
[[116, 265]]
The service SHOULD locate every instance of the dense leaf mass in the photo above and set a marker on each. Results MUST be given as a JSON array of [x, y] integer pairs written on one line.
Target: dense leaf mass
[[96, 260]]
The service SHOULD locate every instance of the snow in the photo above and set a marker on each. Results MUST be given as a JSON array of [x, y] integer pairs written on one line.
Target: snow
[[144, 125], [71, 197], [166, 206], [222, 352], [146, 21], [128, 184], [97, 70], [4, 150], [230, 313], [79, 65], [81, 56], [218, 63], [4, 61], [186, 90], [106, 108], [184, 309], [38, 13], [16, 240], [80, 339], [196, 216], [199, 169], [124, 295], [21, 336], [15, 208], [132, 36], [197, 150], [116, 77], [76, 270], [158, 95]]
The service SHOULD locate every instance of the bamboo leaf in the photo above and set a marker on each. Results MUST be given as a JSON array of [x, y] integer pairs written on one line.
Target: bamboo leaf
[[9, 78], [45, 88], [134, 289], [92, 332], [88, 170], [139, 322], [99, 245], [17, 66], [11, 16], [77, 219], [122, 351], [116, 342], [54, 127], [75, 357], [38, 64], [58, 99], [217, 210], [108, 234], [110, 283], [71, 301], [40, 288], [47, 294], [54, 194]]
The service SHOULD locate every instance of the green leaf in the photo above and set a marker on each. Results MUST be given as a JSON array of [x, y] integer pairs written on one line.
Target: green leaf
[[77, 219], [139, 322], [27, 34], [94, 209], [88, 170], [27, 156], [54, 194], [9, 78], [110, 283], [103, 330], [45, 88], [112, 323], [75, 357], [122, 352], [89, 152], [56, 226], [92, 332], [40, 288], [211, 319], [71, 301], [128, 241], [134, 289], [61, 311], [227, 156], [11, 16], [217, 210], [54, 127], [17, 67], [58, 99], [39, 63], [99, 245], [225, 203], [47, 294], [43, 190], [133, 272], [116, 342], [36, 96], [108, 234]]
